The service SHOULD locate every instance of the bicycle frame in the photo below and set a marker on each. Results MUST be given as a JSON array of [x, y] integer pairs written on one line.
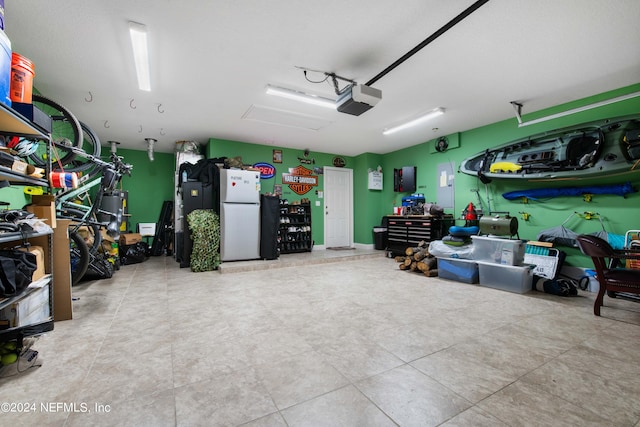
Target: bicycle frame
[[66, 201], [106, 175]]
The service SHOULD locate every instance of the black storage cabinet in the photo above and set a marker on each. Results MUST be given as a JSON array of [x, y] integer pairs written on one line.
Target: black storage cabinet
[[195, 195], [269, 223], [409, 231]]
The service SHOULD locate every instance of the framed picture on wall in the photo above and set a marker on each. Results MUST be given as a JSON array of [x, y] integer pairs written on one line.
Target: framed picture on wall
[[277, 156]]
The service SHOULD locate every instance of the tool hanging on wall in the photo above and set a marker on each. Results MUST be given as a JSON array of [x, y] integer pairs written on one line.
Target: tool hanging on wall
[[479, 209], [589, 215]]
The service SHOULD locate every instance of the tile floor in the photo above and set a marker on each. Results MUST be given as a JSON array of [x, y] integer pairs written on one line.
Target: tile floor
[[314, 342]]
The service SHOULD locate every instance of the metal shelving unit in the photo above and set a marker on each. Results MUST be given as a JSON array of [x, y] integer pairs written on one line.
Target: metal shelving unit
[[13, 123], [294, 233]]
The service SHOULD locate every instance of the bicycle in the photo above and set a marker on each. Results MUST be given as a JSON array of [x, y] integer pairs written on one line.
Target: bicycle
[[75, 204]]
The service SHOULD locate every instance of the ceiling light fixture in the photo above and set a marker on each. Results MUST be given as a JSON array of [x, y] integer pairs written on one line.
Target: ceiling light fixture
[[518, 107], [138, 33], [418, 120], [301, 96]]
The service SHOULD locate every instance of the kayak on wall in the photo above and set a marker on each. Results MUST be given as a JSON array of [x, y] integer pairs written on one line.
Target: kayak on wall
[[606, 147], [544, 193]]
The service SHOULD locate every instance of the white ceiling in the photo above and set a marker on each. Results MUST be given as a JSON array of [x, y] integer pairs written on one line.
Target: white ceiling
[[211, 61]]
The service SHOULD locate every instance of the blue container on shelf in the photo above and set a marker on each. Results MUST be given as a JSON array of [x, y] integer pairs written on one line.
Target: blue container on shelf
[[5, 69]]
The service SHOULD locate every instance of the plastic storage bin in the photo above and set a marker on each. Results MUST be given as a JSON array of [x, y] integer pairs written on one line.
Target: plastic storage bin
[[5, 69], [498, 250], [511, 278], [22, 74], [460, 271]]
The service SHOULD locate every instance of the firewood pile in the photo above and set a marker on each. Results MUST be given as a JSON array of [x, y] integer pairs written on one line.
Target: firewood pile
[[419, 259]]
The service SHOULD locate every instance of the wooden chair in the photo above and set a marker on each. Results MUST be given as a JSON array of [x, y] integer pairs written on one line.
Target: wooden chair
[[605, 260]]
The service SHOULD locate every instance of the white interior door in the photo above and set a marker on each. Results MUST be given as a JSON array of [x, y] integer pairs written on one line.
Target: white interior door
[[338, 207]]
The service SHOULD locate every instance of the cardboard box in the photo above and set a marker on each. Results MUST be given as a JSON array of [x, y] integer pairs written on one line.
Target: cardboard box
[[43, 206], [109, 244], [62, 303], [22, 167], [130, 238], [87, 234], [62, 307], [38, 251]]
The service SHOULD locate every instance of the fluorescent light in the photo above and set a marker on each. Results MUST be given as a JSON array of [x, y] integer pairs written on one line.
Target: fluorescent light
[[573, 111], [301, 96], [423, 118], [138, 33]]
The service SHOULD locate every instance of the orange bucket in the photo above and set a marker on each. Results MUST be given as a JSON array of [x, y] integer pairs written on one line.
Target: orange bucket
[[22, 74]]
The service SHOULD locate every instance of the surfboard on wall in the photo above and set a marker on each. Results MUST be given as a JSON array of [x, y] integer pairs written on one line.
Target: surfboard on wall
[[606, 147]]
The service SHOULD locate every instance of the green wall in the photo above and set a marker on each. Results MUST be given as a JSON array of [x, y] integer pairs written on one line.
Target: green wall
[[15, 196], [150, 184], [368, 204]]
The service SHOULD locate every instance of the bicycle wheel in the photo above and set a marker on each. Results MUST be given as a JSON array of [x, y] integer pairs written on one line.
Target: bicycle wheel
[[65, 131], [90, 145], [79, 257]]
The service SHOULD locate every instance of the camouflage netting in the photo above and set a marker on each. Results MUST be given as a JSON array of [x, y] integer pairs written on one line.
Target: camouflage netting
[[205, 233]]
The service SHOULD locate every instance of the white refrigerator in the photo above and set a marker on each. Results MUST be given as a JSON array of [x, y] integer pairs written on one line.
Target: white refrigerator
[[239, 214]]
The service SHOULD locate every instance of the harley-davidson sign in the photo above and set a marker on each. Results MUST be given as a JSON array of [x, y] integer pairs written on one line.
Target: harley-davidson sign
[[300, 180]]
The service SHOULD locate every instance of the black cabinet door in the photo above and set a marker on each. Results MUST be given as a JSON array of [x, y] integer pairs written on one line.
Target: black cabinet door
[[195, 195], [269, 223]]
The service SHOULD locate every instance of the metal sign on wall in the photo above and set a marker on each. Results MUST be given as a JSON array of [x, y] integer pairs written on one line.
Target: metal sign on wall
[[300, 180]]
